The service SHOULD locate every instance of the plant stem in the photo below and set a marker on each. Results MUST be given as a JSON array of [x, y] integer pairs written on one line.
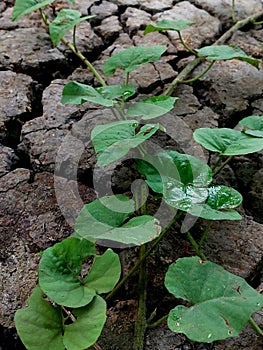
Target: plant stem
[[140, 323], [74, 38], [258, 330], [205, 233], [195, 246], [127, 78], [199, 76], [75, 51], [184, 44], [158, 322], [137, 265], [222, 165], [233, 11]]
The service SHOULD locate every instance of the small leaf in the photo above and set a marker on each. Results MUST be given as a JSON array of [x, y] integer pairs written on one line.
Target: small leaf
[[24, 7], [65, 20], [77, 93], [168, 25], [114, 140], [227, 142], [222, 303], [152, 107], [41, 326], [60, 272], [254, 122], [113, 92], [131, 58], [224, 53]]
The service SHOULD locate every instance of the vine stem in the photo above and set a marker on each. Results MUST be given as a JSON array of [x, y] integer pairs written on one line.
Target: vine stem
[[158, 322], [221, 166], [200, 75], [73, 48], [204, 235], [195, 245], [195, 62], [184, 44], [256, 327], [233, 11]]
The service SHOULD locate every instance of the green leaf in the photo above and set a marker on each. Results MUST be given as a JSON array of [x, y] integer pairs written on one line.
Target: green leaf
[[227, 142], [166, 24], [152, 107], [77, 93], [65, 20], [114, 140], [60, 272], [97, 221], [183, 169], [224, 53], [254, 122], [113, 92], [131, 58], [222, 303], [24, 7], [41, 326]]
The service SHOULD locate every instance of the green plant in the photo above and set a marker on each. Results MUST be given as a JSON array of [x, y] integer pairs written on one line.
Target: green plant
[[68, 299]]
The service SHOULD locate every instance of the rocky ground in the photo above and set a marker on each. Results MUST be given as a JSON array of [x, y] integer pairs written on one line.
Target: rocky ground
[[39, 137]]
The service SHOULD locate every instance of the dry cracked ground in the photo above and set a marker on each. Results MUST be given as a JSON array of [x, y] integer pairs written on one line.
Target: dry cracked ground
[[40, 136]]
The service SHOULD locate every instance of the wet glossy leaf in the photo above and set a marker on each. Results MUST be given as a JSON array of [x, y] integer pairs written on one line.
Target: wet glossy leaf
[[166, 24], [77, 93], [24, 7], [255, 123], [114, 140], [227, 142], [222, 303], [152, 107], [224, 53], [41, 325], [184, 170], [131, 58], [60, 272], [65, 20], [97, 222]]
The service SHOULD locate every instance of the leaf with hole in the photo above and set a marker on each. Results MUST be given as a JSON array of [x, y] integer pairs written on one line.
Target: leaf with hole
[[65, 20], [221, 303], [133, 57], [152, 107], [41, 326], [224, 53], [114, 140], [254, 123], [60, 275], [166, 24], [24, 7], [99, 222], [227, 142]]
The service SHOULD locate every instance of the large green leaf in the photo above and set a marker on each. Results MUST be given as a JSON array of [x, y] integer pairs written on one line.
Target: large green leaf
[[65, 20], [224, 53], [213, 203], [77, 93], [227, 142], [99, 222], [253, 122], [41, 325], [183, 169], [114, 140], [60, 272], [221, 303], [166, 24], [114, 92], [24, 7], [131, 58], [152, 107]]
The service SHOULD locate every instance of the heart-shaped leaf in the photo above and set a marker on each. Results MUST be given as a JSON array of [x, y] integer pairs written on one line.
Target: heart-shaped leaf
[[60, 272], [97, 222], [65, 20], [221, 303], [131, 58], [152, 107], [227, 142], [113, 92], [255, 123], [183, 169], [166, 24], [41, 325], [24, 7], [224, 53], [114, 140]]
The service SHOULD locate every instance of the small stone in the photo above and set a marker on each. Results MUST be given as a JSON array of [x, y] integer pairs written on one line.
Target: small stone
[[135, 19], [109, 28]]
